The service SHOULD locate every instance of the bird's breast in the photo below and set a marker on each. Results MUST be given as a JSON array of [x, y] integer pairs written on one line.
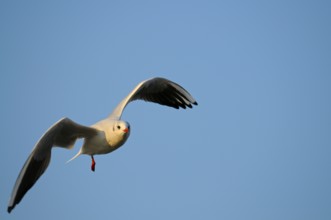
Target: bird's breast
[[103, 143], [97, 144], [116, 140]]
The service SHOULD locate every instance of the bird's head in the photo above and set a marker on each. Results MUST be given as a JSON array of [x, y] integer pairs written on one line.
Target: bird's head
[[122, 128]]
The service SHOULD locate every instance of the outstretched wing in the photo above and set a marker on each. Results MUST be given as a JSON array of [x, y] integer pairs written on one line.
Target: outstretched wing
[[158, 90], [62, 134]]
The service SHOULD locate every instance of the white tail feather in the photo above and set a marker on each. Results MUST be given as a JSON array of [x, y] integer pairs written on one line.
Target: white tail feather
[[78, 154]]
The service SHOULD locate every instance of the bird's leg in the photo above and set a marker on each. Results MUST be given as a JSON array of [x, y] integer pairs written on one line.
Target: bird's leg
[[93, 164]]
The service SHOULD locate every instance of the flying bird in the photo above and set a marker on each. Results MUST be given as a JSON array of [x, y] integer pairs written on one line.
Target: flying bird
[[103, 137]]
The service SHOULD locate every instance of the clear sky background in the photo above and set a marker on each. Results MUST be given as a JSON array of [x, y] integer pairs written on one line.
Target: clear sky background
[[258, 146]]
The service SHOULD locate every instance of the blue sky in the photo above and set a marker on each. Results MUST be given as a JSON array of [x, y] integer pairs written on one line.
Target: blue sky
[[258, 145]]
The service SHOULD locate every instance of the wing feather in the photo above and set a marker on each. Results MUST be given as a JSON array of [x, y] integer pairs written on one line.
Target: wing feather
[[63, 134], [157, 90], [30, 173]]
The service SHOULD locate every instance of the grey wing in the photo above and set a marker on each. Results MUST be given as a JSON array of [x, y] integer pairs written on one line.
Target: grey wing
[[157, 90], [63, 134]]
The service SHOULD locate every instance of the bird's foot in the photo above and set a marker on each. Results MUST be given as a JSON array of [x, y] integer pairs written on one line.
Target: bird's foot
[[93, 164]]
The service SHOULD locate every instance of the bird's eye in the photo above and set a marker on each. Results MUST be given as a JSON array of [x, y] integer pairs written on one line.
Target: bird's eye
[[118, 127]]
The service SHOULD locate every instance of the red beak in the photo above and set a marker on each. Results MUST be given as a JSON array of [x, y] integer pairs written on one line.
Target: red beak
[[126, 130]]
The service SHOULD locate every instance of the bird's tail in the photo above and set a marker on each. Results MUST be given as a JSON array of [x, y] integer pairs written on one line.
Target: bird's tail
[[78, 154]]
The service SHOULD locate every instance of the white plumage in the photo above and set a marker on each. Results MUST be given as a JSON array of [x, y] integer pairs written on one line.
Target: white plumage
[[101, 138]]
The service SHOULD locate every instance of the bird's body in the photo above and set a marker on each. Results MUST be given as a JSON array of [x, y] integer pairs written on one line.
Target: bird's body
[[111, 134], [103, 137]]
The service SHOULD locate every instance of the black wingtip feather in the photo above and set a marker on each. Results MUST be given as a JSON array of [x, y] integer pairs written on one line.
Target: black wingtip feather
[[164, 92], [34, 170], [10, 208]]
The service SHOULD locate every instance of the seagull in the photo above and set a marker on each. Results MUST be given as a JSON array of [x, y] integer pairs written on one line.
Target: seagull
[[103, 137]]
